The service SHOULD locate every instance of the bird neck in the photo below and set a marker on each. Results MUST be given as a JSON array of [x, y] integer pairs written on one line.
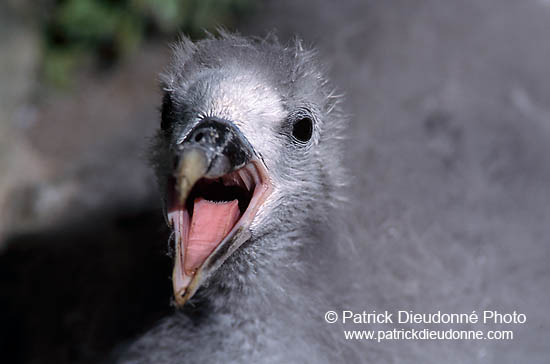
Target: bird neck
[[267, 276], [249, 304]]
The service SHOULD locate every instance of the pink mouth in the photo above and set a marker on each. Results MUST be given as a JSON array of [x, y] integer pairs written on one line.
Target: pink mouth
[[210, 223], [213, 212]]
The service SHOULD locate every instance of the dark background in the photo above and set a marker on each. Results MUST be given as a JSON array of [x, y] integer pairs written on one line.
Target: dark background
[[449, 152]]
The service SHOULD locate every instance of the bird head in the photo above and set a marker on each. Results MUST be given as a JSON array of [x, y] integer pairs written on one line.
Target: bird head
[[247, 155]]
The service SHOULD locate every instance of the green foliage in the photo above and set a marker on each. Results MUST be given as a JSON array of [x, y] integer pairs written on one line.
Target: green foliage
[[88, 20], [106, 30], [59, 65]]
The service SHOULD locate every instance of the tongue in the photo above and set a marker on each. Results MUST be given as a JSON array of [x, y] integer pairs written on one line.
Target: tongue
[[211, 222]]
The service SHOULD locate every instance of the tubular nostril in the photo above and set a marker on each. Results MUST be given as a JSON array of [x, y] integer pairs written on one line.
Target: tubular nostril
[[199, 137]]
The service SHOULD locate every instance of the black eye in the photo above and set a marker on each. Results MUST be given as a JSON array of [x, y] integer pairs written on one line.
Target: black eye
[[302, 129]]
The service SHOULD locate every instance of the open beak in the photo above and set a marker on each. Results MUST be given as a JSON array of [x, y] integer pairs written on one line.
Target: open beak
[[216, 189]]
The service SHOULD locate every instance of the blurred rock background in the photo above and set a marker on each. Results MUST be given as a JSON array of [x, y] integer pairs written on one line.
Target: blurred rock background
[[449, 150]]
